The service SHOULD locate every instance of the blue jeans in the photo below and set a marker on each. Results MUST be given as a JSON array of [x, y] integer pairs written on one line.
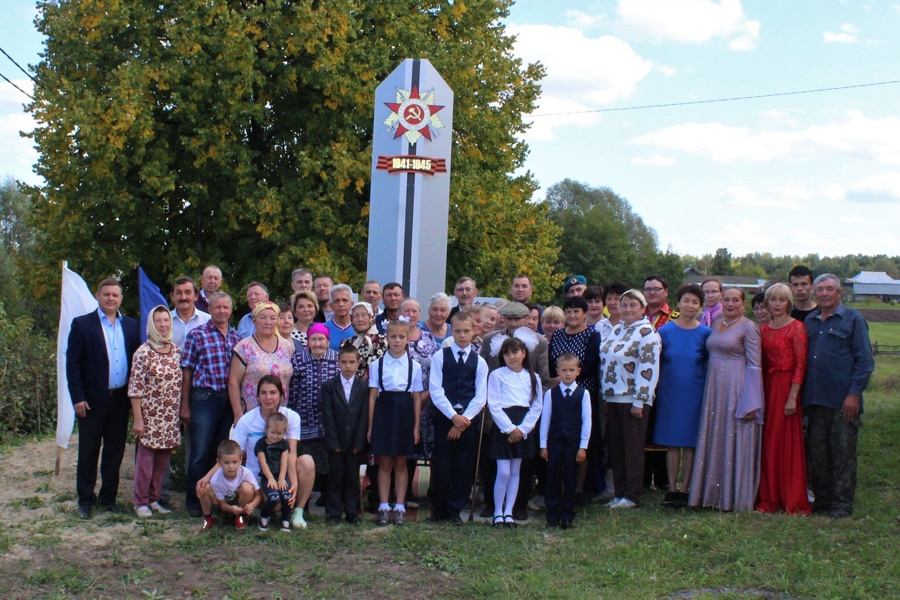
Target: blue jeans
[[211, 420]]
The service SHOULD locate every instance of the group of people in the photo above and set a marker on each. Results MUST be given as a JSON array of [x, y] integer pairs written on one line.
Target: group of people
[[511, 397]]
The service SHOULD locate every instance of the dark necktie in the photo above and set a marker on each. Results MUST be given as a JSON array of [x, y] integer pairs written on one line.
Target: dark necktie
[[460, 362], [568, 393]]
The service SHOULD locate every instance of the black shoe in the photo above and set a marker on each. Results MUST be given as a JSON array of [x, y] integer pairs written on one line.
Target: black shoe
[[84, 512], [487, 511], [194, 511], [433, 519], [353, 519], [455, 520], [112, 508], [498, 522], [820, 508], [510, 521], [839, 513], [552, 524], [520, 513], [333, 520], [565, 525], [671, 500]]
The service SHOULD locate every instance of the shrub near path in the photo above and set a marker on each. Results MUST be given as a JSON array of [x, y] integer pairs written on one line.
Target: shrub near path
[[46, 552]]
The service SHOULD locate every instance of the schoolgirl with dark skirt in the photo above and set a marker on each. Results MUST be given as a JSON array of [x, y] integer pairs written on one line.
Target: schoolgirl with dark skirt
[[395, 386], [514, 399]]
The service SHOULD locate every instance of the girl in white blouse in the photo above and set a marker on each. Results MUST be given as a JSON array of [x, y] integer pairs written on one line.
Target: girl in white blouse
[[514, 399]]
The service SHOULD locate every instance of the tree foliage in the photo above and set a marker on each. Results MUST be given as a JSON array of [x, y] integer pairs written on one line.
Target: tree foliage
[[174, 134], [604, 239]]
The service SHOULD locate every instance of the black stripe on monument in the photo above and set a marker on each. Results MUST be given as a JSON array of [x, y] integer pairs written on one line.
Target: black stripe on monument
[[410, 197]]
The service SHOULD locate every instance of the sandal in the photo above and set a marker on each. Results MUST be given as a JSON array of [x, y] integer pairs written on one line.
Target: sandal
[[510, 522], [498, 522]]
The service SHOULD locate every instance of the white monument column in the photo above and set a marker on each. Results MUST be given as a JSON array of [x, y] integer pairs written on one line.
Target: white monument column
[[410, 191]]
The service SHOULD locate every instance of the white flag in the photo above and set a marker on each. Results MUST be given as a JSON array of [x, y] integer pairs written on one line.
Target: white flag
[[77, 300]]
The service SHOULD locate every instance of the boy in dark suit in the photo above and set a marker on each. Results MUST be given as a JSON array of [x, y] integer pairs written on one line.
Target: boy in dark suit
[[565, 431], [458, 386], [345, 416], [98, 363]]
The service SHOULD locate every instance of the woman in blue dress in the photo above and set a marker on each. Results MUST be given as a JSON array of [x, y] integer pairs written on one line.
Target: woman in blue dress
[[679, 395]]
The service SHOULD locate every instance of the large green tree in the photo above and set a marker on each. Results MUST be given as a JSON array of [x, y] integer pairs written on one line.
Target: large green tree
[[173, 134], [604, 239]]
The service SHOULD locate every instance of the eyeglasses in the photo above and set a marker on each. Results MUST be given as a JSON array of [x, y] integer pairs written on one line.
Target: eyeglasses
[[465, 289], [653, 290]]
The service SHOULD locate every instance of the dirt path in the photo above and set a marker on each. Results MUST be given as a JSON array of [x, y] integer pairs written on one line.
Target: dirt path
[[47, 552]]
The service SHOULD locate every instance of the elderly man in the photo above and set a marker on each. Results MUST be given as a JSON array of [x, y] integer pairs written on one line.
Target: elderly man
[[256, 293], [393, 296], [465, 291], [323, 285], [210, 282], [575, 286], [340, 325], [372, 294], [98, 363], [838, 367], [205, 408], [186, 317], [656, 292], [514, 315], [301, 279]]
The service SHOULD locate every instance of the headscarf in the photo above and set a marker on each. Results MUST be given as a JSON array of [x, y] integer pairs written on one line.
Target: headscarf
[[363, 341], [267, 305], [154, 338], [318, 328]]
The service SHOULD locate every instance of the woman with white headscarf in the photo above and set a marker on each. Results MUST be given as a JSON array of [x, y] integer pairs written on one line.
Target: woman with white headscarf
[[370, 344], [155, 392]]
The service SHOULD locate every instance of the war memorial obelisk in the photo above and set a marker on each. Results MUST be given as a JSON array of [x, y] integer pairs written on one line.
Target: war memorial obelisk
[[410, 190]]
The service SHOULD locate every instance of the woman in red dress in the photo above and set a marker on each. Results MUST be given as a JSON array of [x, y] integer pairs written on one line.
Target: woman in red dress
[[782, 483]]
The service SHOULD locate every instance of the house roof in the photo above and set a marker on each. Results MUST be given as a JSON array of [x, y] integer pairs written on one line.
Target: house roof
[[871, 277]]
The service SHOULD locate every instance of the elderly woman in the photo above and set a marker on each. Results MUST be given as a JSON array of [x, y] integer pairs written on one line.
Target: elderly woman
[[782, 483], [436, 324], [422, 346], [155, 392], [305, 307], [312, 367], [370, 344], [679, 394], [726, 462], [629, 372], [263, 353]]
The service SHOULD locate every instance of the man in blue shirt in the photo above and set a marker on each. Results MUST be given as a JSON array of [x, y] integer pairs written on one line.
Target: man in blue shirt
[[838, 367], [98, 363]]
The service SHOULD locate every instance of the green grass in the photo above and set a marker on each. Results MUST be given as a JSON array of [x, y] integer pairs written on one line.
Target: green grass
[[873, 305], [884, 333]]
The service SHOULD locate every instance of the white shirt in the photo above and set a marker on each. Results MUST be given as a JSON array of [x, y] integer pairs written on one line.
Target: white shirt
[[180, 328], [348, 386], [395, 374], [507, 388], [252, 426], [547, 412], [222, 486], [436, 383]]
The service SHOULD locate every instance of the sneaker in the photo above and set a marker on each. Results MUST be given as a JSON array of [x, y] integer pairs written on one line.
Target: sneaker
[[157, 507], [384, 518], [264, 523], [208, 523], [143, 512], [613, 503], [297, 519], [624, 503], [399, 517], [240, 522], [285, 526]]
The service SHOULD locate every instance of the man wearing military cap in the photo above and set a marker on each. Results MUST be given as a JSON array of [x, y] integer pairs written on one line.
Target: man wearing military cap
[[575, 286]]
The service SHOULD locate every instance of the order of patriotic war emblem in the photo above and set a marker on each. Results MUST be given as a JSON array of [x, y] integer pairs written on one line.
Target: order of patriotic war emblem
[[414, 115]]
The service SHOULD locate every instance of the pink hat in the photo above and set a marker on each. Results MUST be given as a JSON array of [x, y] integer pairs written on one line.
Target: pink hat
[[320, 329]]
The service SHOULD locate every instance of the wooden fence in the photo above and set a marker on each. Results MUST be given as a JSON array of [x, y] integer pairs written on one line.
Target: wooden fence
[[885, 349]]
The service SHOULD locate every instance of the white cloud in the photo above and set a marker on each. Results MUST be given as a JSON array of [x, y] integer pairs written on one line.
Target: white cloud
[[582, 72], [883, 187], [667, 70], [583, 20], [853, 219], [744, 234], [17, 154], [690, 21], [855, 136], [743, 197], [847, 33], [657, 160]]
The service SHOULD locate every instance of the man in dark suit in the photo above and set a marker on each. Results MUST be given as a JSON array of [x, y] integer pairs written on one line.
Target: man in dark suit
[[98, 362], [345, 417]]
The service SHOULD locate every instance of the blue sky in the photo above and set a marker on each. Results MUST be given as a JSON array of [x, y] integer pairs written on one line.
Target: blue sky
[[808, 173]]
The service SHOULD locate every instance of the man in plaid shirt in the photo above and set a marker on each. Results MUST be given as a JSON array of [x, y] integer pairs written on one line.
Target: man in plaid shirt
[[205, 408]]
